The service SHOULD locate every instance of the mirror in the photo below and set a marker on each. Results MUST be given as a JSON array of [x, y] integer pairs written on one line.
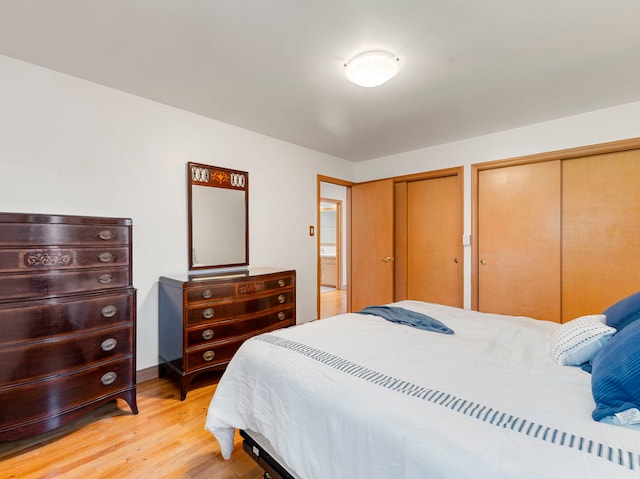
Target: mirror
[[218, 217]]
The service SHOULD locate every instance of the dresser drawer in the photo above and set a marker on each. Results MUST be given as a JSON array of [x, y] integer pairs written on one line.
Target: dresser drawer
[[279, 283], [20, 234], [42, 399], [47, 358], [34, 320], [237, 289], [54, 258], [206, 293], [211, 355], [206, 313], [52, 283], [223, 330]]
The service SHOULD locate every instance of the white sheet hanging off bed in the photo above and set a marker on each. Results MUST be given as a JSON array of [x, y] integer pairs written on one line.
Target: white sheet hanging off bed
[[355, 396]]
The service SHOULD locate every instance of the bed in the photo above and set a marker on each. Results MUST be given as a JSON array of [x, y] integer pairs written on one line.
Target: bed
[[358, 396]]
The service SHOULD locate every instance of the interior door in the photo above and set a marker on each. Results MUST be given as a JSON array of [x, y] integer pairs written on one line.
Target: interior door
[[372, 262], [601, 231], [519, 228], [434, 240]]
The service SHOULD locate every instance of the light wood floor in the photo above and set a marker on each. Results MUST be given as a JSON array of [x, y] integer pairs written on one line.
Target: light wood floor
[[165, 440], [333, 302]]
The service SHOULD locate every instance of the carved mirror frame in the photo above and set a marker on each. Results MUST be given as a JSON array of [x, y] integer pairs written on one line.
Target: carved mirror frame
[[221, 219]]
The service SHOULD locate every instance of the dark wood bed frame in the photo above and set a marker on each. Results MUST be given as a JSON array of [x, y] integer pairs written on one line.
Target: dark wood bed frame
[[273, 469]]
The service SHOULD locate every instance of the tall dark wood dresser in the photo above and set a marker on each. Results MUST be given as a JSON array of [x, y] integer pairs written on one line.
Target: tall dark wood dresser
[[67, 319], [205, 318]]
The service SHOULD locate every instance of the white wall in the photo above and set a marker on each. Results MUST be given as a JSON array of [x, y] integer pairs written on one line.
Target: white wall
[[73, 147], [68, 146], [617, 123]]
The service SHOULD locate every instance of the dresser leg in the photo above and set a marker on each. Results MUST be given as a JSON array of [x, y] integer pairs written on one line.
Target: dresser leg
[[130, 398], [185, 383]]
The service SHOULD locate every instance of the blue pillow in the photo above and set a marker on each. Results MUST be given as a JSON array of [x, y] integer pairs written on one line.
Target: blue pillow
[[615, 377], [624, 312]]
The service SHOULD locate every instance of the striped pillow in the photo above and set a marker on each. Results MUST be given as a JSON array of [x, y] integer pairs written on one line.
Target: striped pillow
[[574, 343]]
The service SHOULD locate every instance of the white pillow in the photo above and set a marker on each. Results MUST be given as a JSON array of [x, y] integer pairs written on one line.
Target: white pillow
[[575, 342]]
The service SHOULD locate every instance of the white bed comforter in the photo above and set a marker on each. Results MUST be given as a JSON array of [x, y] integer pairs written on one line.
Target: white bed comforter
[[356, 396]]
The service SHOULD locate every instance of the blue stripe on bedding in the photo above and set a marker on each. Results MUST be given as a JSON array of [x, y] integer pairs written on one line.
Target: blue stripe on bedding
[[472, 409]]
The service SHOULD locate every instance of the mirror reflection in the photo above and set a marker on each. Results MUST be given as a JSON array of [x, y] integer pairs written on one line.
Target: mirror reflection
[[218, 223]]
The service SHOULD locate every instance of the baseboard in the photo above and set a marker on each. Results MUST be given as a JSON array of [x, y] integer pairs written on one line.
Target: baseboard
[[147, 374]]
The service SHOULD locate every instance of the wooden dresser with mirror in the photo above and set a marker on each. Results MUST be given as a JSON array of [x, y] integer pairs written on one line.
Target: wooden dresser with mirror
[[67, 319], [207, 313]]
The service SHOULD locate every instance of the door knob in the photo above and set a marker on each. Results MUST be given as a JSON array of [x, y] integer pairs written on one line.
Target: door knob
[[483, 262], [455, 260], [387, 259]]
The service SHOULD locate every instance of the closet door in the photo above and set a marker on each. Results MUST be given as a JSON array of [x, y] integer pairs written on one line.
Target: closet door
[[434, 240], [601, 231], [372, 262], [518, 269]]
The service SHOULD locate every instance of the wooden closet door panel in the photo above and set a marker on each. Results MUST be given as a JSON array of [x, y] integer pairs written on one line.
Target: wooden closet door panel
[[400, 291], [372, 265], [519, 240], [601, 231], [434, 241]]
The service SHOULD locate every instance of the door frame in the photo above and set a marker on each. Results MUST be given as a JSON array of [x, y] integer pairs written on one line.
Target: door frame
[[346, 211]]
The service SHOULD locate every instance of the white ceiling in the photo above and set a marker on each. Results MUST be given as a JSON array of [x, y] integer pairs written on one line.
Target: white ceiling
[[468, 67]]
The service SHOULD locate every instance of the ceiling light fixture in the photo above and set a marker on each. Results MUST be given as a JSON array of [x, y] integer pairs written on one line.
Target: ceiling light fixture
[[371, 69]]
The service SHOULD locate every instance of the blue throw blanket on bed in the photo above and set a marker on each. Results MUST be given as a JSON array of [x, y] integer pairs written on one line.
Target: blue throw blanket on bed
[[407, 317]]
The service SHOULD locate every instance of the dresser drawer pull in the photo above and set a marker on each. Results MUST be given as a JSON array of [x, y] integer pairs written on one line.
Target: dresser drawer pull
[[208, 355], [281, 282], [206, 294], [208, 313], [109, 311], [105, 235], [109, 344], [281, 315], [105, 257], [108, 378], [281, 299], [105, 278], [207, 334]]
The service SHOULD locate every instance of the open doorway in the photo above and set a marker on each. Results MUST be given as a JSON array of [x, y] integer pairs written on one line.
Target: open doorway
[[331, 252], [332, 247]]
